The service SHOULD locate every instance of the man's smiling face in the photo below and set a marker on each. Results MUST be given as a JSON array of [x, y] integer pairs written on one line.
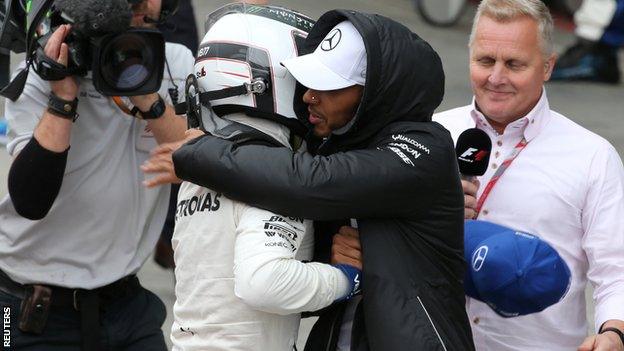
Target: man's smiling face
[[507, 69]]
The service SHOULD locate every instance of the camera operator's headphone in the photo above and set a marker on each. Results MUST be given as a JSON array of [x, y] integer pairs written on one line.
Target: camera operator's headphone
[[167, 9]]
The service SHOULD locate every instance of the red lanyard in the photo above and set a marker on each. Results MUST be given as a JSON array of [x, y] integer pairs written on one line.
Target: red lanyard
[[499, 172]]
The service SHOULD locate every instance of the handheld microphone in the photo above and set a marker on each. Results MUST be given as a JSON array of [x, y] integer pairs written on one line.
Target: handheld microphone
[[473, 153], [91, 18]]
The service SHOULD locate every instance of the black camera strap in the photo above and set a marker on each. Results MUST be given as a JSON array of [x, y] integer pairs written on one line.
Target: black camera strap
[[174, 93], [14, 89], [48, 69], [5, 67]]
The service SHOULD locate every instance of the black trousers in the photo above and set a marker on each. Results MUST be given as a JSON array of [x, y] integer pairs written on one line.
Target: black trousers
[[127, 324]]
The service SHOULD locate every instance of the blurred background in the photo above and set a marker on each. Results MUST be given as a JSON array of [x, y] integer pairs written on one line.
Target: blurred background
[[598, 107]]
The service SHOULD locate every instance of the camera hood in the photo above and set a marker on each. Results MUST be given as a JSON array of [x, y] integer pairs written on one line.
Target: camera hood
[[12, 26], [17, 34], [129, 62]]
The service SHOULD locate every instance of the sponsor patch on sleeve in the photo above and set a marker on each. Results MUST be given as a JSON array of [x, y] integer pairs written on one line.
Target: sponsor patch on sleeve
[[406, 148], [198, 204], [286, 232]]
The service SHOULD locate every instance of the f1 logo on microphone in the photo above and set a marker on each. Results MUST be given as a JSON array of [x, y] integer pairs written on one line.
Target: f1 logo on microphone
[[471, 150]]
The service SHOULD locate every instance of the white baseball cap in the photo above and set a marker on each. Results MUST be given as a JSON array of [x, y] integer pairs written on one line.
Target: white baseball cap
[[338, 62]]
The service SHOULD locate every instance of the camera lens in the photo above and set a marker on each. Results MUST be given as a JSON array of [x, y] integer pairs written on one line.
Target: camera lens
[[127, 62]]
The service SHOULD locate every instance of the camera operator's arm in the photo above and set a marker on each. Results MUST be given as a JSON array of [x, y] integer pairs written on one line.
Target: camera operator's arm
[[53, 131], [167, 128], [36, 173]]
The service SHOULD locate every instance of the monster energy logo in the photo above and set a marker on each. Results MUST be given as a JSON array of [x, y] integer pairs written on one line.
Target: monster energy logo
[[282, 15], [28, 8]]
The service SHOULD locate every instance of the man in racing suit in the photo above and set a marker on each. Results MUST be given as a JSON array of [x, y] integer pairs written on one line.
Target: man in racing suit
[[238, 284]]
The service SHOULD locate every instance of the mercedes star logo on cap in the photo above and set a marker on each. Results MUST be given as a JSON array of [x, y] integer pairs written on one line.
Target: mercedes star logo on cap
[[332, 40], [479, 257]]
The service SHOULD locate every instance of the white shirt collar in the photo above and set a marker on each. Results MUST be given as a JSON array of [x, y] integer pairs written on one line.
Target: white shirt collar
[[530, 125]]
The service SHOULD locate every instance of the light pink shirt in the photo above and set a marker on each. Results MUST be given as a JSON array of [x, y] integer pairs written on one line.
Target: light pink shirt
[[567, 187]]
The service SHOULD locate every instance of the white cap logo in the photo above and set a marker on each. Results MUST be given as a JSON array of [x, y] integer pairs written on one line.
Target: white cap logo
[[331, 40], [335, 63]]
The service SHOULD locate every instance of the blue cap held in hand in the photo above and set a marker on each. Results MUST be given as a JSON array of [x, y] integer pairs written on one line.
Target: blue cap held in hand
[[515, 273]]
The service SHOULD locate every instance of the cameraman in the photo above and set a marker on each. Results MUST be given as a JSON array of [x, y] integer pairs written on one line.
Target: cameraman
[[78, 224]]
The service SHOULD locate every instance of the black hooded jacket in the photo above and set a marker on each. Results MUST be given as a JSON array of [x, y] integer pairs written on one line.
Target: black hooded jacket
[[394, 170]]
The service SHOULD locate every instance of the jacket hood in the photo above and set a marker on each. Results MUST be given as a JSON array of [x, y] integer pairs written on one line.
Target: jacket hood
[[404, 76]]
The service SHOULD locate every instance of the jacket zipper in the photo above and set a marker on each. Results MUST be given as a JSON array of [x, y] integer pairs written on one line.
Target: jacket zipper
[[431, 321]]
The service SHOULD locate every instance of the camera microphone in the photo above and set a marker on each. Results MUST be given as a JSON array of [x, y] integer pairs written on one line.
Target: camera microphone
[[473, 153], [92, 18]]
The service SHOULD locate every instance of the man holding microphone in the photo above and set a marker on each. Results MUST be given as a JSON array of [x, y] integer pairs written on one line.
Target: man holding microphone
[[547, 176]]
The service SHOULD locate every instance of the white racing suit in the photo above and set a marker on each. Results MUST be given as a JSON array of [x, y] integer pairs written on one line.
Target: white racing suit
[[238, 284]]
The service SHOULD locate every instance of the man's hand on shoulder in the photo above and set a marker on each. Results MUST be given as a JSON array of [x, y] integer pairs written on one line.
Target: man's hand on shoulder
[[161, 161]]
